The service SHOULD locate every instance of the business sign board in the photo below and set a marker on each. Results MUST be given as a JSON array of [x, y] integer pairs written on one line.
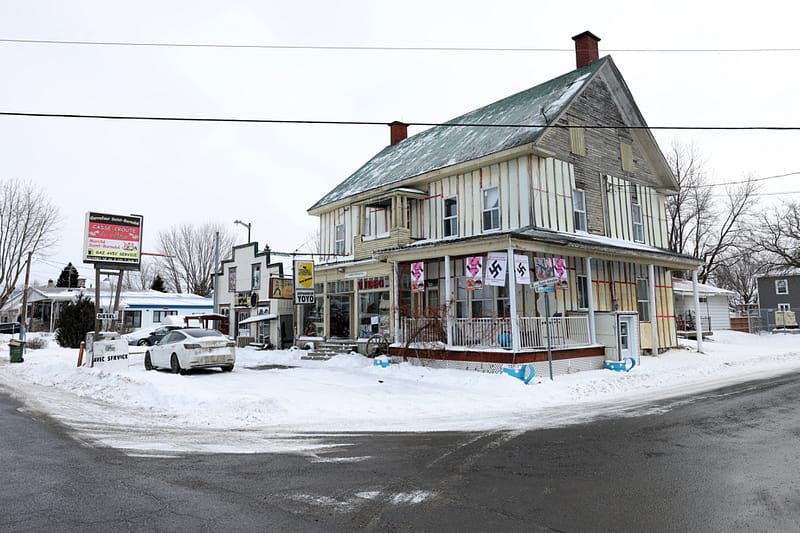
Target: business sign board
[[281, 288], [304, 297], [113, 240], [304, 275]]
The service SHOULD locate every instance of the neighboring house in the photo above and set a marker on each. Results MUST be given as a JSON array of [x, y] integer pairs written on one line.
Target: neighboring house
[[779, 300], [11, 309], [715, 308], [422, 231], [256, 297], [140, 309]]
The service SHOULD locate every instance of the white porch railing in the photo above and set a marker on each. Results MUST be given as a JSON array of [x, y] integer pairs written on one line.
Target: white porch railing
[[565, 332]]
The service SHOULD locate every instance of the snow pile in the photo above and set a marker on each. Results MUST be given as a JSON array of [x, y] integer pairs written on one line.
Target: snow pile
[[280, 392]]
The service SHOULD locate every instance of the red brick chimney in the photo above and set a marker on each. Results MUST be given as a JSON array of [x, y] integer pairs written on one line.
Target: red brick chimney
[[398, 132], [586, 48]]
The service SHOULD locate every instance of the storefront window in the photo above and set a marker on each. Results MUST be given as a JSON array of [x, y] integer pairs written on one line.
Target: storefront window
[[373, 313]]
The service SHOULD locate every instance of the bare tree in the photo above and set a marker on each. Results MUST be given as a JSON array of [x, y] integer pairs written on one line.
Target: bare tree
[[142, 279], [738, 274], [189, 253], [701, 225], [28, 223], [778, 234]]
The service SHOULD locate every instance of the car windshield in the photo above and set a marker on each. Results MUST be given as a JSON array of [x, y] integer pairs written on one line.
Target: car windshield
[[198, 333]]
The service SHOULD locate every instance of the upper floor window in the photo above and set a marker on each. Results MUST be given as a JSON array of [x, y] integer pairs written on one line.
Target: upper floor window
[[577, 144], [491, 208], [338, 243], [638, 225], [626, 155], [643, 298], [232, 279], [450, 216], [579, 209], [784, 307], [781, 286], [376, 221], [255, 279]]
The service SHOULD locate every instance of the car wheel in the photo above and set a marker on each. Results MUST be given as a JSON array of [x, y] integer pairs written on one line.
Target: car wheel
[[143, 342], [227, 368], [148, 364], [175, 365]]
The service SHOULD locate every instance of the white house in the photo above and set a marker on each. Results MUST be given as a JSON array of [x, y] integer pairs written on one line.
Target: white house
[[714, 305]]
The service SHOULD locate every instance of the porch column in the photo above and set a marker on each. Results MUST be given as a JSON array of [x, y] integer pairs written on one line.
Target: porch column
[[512, 301], [698, 326], [396, 297], [448, 291], [590, 301], [653, 312]]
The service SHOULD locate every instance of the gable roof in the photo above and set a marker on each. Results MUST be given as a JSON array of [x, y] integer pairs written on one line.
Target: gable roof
[[450, 144]]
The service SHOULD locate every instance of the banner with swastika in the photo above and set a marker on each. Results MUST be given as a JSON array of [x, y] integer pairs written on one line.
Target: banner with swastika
[[496, 269]]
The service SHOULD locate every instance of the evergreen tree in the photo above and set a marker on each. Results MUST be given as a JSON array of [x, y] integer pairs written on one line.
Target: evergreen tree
[[158, 284], [68, 277], [76, 318]]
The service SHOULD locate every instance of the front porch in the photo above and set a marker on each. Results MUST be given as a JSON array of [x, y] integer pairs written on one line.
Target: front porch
[[485, 344]]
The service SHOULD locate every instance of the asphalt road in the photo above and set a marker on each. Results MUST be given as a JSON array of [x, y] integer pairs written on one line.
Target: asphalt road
[[722, 461]]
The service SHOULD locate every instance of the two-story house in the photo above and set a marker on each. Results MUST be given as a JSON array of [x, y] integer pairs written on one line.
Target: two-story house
[[779, 300], [253, 293], [440, 238]]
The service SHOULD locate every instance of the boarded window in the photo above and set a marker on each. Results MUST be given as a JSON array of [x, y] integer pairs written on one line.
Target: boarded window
[[626, 154], [577, 143]]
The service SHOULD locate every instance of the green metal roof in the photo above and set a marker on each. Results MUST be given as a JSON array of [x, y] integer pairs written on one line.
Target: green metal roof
[[449, 144]]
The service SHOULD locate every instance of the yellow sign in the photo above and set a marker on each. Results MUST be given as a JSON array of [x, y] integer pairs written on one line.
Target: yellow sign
[[304, 274]]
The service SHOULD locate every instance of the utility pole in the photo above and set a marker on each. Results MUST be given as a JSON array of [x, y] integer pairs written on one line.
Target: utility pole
[[24, 312]]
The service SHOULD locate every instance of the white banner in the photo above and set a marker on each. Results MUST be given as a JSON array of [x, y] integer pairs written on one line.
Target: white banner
[[522, 269], [496, 269]]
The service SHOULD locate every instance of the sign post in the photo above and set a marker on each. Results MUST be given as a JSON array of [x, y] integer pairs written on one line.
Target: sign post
[[547, 285]]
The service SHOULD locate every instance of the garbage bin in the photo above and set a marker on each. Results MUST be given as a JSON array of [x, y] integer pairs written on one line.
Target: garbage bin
[[16, 349]]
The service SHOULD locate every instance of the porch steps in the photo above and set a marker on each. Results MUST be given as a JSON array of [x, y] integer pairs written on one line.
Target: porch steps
[[326, 349]]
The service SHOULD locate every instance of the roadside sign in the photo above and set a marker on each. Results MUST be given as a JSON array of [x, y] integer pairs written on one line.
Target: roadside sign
[[544, 288], [106, 316]]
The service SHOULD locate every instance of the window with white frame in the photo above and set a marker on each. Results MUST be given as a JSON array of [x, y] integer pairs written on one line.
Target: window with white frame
[[450, 213], [255, 276], [638, 225], [491, 209], [784, 307], [643, 298], [579, 209], [781, 286], [338, 244], [376, 221], [583, 292], [158, 316]]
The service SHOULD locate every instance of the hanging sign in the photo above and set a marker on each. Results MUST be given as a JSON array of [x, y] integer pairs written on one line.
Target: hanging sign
[[543, 267], [304, 275], [522, 269], [496, 264], [560, 271], [417, 277], [475, 273]]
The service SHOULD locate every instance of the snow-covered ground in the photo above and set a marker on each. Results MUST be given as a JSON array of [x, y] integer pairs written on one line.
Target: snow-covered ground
[[277, 401]]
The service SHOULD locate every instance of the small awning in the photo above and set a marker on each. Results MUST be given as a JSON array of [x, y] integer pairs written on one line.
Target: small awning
[[258, 318]]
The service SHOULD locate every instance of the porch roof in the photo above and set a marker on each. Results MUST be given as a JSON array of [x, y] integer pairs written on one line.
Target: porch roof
[[581, 244]]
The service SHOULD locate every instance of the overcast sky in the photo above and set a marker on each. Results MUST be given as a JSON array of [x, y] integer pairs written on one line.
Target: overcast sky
[[268, 175]]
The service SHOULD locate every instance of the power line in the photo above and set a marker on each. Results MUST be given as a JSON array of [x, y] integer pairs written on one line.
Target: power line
[[387, 123], [366, 48]]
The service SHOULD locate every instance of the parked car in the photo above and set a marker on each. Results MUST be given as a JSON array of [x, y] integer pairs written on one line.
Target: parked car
[[184, 349], [150, 338]]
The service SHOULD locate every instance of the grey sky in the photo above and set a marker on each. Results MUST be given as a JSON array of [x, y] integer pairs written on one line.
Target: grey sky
[[269, 175]]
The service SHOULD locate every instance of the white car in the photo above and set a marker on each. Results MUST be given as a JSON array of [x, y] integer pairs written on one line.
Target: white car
[[184, 349]]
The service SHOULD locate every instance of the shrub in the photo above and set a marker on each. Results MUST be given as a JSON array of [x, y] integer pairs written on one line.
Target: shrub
[[75, 320], [36, 343]]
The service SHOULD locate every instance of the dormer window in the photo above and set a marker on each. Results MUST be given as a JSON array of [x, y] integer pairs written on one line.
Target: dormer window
[[376, 219]]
